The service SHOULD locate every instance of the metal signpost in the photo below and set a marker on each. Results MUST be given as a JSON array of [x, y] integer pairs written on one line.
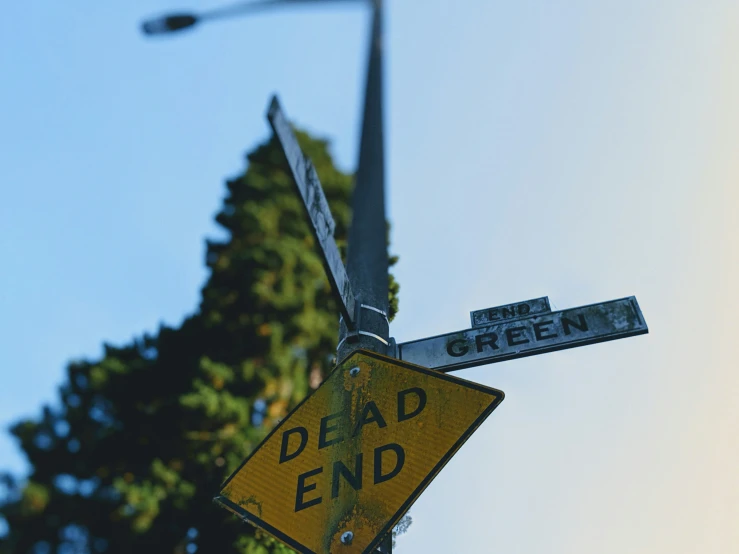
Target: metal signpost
[[343, 467]]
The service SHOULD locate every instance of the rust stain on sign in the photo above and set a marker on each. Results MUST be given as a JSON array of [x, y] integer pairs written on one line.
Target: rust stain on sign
[[356, 454]]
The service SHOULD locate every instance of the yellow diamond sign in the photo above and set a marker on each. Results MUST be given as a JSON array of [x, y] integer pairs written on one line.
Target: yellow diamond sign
[[353, 456]]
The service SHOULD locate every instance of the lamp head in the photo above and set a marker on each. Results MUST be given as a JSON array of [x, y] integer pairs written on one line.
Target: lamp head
[[168, 24]]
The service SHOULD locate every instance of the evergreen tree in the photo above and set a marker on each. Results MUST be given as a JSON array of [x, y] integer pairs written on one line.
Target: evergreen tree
[[131, 457]]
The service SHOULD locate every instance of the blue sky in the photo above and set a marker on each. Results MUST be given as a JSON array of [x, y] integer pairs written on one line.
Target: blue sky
[[585, 151]]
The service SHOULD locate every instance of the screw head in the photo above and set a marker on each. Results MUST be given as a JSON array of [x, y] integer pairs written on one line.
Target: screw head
[[354, 371], [346, 538]]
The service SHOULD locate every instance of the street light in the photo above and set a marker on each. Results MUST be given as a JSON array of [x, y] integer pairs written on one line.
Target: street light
[[367, 259], [174, 22], [366, 263]]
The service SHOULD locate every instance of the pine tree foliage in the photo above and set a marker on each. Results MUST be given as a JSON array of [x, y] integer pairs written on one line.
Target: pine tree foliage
[[131, 457]]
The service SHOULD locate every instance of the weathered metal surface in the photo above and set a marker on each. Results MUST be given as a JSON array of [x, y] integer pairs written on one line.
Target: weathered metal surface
[[316, 205], [367, 255], [509, 312], [612, 320], [356, 454]]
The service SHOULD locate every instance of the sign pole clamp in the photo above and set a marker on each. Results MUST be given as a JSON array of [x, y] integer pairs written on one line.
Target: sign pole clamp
[[355, 330]]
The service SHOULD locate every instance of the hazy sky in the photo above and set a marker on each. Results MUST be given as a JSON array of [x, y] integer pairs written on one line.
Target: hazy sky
[[576, 149]]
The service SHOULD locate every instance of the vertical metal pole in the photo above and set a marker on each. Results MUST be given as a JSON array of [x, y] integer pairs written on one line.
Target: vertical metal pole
[[367, 259]]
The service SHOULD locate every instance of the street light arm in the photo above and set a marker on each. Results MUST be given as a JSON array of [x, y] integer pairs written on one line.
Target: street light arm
[[248, 7]]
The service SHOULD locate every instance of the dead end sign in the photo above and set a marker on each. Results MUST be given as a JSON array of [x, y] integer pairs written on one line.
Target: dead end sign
[[354, 455]]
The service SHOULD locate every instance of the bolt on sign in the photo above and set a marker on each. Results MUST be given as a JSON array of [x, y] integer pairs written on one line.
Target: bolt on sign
[[342, 468]]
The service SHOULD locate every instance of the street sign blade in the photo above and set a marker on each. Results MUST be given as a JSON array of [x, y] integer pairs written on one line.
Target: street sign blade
[[356, 454], [509, 312], [316, 206], [497, 342]]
